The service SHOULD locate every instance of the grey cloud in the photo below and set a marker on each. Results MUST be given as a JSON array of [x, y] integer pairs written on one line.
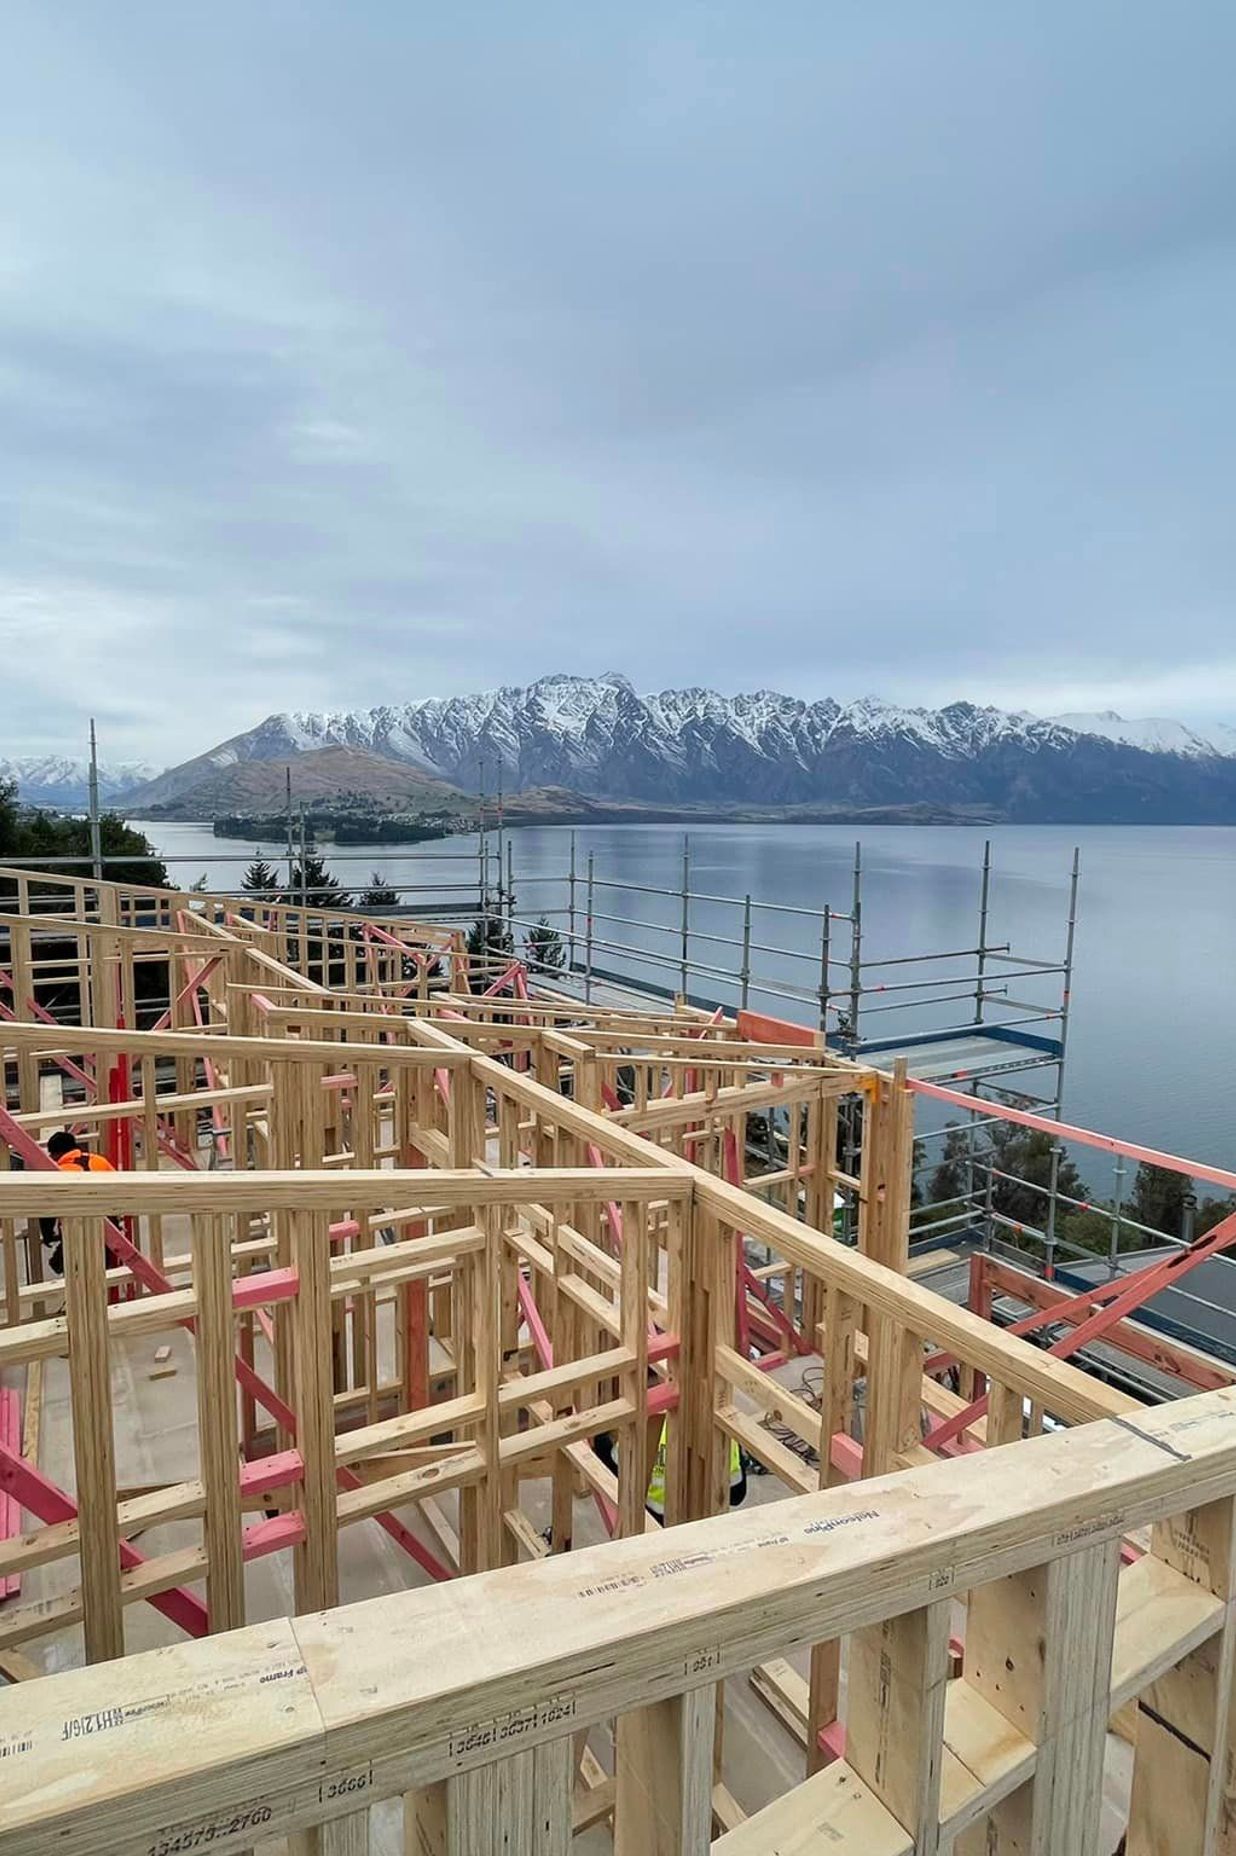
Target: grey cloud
[[355, 353]]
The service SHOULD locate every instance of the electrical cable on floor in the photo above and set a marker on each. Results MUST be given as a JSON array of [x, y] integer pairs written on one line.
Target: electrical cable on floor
[[810, 1390]]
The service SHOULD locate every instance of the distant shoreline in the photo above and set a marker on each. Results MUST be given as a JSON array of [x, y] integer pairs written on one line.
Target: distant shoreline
[[514, 818]]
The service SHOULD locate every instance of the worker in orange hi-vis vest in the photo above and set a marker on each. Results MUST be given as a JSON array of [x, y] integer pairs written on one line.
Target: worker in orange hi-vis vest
[[69, 1157]]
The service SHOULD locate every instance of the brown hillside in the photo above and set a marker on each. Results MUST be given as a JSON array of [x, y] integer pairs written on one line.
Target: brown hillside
[[323, 775]]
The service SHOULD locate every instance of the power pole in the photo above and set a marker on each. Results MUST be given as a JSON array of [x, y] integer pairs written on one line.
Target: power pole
[[499, 835], [288, 772], [96, 837]]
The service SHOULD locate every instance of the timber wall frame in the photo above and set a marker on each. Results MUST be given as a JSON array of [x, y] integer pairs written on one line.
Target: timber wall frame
[[299, 1727], [439, 1238]]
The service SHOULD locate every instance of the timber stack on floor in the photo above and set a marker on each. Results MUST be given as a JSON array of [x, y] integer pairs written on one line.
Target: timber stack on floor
[[417, 1230]]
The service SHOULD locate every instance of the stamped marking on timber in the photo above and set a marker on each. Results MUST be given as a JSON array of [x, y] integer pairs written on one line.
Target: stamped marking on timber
[[482, 1735], [79, 1725], [829, 1523], [885, 1691], [1189, 1546], [1112, 1522], [347, 1785], [710, 1556], [702, 1661], [690, 1562], [214, 1830], [624, 1583], [1203, 1420], [285, 1674], [129, 1714]]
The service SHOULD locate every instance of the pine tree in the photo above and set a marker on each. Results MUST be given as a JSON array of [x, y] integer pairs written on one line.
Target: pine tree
[[378, 896], [948, 1182], [1161, 1199], [489, 934], [544, 949], [1026, 1154], [321, 889], [260, 877], [1158, 1198], [489, 942], [10, 816]]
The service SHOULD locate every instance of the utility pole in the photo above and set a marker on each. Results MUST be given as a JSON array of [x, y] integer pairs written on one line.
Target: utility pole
[[684, 926], [856, 949], [288, 790], [96, 837], [499, 823], [571, 911], [482, 850]]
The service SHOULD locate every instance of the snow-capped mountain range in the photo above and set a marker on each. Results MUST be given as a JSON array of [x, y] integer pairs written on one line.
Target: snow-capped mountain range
[[597, 736], [1153, 733], [57, 781]]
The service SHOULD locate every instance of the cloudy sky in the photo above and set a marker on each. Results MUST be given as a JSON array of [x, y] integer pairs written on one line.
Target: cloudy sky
[[351, 353]]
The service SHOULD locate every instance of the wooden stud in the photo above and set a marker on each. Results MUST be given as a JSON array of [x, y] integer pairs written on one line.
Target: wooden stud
[[897, 1672], [1039, 1651], [216, 1418], [344, 1836], [1005, 1415], [633, 1449], [565, 1338], [887, 1160], [316, 1557], [519, 1806], [94, 1450], [1079, 1623], [894, 1395], [486, 1317], [1184, 1727], [837, 1408], [663, 1803]]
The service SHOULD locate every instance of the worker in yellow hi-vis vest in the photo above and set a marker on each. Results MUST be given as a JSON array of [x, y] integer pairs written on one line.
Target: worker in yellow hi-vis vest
[[655, 1501], [606, 1448]]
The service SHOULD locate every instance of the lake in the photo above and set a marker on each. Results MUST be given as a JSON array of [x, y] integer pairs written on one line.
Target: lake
[[1151, 1053]]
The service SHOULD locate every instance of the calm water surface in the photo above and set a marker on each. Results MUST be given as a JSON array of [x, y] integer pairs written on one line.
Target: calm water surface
[[1152, 1040]]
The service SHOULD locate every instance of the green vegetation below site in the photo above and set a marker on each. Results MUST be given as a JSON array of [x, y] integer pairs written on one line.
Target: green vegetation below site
[[343, 826], [1158, 1204], [27, 831]]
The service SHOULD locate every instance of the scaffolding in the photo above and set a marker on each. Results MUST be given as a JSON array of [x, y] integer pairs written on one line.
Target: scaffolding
[[750, 953], [638, 943]]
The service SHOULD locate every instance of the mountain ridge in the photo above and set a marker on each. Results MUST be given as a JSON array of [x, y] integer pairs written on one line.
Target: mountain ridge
[[61, 781], [598, 737]]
